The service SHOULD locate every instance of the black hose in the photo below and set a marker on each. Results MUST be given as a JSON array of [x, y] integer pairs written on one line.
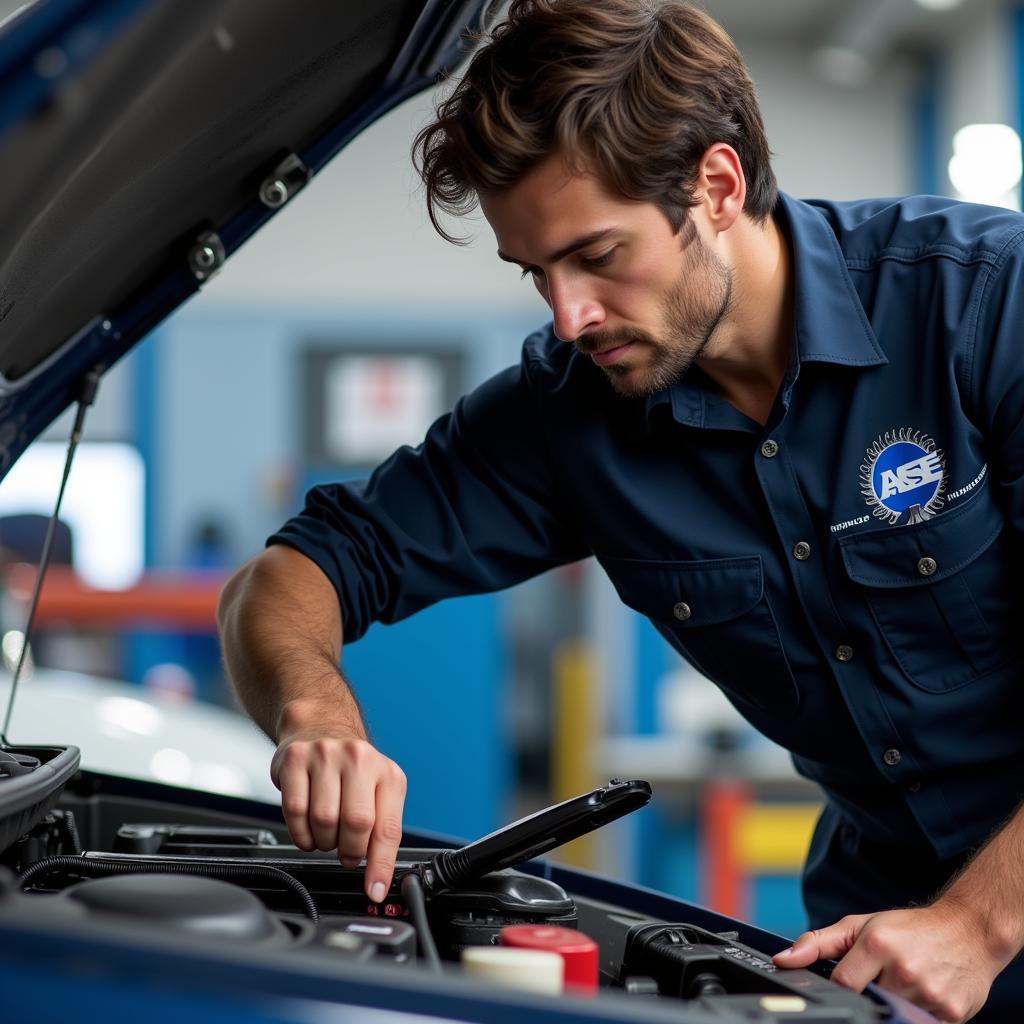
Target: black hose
[[97, 868], [70, 830], [412, 893]]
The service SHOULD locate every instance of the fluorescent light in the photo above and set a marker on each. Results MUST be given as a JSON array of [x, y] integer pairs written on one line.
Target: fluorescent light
[[986, 164], [938, 5]]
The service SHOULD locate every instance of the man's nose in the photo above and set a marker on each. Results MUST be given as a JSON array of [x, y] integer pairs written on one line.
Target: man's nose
[[574, 310]]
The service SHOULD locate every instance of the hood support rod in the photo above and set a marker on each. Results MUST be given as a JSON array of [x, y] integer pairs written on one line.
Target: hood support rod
[[86, 396]]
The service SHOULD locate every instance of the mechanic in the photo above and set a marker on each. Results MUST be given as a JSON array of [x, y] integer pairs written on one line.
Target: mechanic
[[790, 432]]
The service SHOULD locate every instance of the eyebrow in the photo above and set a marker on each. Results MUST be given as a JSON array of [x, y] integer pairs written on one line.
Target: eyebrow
[[566, 250]]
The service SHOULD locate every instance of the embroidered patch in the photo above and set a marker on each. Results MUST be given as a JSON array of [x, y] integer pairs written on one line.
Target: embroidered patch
[[904, 473]]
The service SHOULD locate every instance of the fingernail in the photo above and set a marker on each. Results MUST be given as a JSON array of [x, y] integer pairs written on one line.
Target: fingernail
[[785, 952], [378, 891]]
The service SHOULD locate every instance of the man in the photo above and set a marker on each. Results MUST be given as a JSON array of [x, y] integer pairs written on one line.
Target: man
[[790, 433]]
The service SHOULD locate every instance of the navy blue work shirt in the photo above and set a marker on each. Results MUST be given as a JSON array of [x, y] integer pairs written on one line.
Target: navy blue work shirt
[[848, 573]]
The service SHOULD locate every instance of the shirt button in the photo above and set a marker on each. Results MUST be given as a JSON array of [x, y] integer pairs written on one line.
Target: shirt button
[[801, 551], [926, 566], [892, 757], [844, 652], [914, 787], [770, 449], [681, 611]]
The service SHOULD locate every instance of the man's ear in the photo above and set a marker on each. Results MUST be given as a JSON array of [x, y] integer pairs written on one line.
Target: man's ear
[[721, 185]]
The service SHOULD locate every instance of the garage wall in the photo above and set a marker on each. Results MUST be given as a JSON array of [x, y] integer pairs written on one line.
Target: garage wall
[[832, 142]]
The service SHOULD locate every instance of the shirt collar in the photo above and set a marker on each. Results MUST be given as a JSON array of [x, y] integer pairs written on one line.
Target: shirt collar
[[828, 317], [829, 322]]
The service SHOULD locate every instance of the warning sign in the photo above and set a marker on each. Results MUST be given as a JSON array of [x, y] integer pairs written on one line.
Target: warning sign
[[375, 404]]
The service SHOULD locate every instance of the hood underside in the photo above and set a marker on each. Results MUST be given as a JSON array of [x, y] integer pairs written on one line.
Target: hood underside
[[138, 172]]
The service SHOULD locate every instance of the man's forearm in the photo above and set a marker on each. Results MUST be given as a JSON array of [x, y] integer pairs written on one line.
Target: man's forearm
[[990, 889], [281, 634]]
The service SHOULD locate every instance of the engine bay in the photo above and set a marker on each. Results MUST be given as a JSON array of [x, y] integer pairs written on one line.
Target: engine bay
[[112, 858]]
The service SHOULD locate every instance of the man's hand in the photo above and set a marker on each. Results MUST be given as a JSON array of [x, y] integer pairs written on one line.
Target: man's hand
[[934, 956], [339, 792]]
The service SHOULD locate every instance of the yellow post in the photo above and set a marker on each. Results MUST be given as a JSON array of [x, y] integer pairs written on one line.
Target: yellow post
[[574, 728], [774, 837]]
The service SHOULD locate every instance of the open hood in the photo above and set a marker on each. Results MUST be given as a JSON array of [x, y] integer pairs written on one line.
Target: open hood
[[143, 141]]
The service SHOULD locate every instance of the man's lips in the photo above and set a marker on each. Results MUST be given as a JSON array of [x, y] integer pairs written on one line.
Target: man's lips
[[610, 355]]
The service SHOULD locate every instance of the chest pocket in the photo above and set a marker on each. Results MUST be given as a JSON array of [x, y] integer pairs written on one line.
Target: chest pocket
[[941, 592], [715, 613]]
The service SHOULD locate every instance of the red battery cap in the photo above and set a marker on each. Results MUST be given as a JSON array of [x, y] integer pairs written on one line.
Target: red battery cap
[[579, 951]]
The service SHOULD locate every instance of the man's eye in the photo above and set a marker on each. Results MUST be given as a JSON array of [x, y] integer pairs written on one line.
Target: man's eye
[[600, 261], [536, 271]]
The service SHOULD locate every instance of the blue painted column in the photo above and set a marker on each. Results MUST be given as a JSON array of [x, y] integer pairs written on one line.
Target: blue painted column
[[929, 175]]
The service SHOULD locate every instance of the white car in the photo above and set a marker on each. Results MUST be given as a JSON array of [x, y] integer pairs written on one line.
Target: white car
[[123, 730]]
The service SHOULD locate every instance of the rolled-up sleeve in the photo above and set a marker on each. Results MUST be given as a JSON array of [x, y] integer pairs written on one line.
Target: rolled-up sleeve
[[476, 507]]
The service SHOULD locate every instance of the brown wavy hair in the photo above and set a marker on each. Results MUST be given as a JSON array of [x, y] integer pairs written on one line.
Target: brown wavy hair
[[635, 89]]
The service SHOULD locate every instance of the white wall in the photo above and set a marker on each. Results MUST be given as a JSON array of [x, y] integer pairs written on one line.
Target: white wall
[[832, 142]]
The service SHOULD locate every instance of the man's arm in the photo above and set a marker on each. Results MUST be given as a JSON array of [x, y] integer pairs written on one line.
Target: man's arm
[[281, 633], [944, 956]]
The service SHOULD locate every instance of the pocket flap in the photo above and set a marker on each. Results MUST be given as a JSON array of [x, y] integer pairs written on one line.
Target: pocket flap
[[914, 556], [712, 590]]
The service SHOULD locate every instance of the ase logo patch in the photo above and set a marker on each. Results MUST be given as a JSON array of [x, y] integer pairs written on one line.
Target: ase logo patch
[[903, 473]]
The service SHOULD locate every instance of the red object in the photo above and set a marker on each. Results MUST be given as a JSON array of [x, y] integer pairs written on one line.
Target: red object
[[726, 886], [164, 600], [579, 951]]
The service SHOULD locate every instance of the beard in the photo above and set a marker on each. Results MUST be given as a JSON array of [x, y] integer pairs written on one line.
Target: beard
[[691, 312]]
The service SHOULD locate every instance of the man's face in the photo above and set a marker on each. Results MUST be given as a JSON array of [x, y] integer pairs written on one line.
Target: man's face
[[641, 300]]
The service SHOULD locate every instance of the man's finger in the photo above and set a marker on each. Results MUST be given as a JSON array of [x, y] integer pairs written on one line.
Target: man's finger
[[294, 785], [861, 966], [357, 817], [824, 943], [324, 802], [386, 836]]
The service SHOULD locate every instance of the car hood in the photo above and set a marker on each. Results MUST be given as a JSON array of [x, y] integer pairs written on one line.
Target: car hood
[[143, 141]]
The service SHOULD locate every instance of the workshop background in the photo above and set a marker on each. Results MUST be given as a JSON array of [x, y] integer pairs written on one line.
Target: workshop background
[[343, 330]]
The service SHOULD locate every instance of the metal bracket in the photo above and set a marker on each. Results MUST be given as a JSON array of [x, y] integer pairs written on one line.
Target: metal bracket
[[207, 256], [287, 178]]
